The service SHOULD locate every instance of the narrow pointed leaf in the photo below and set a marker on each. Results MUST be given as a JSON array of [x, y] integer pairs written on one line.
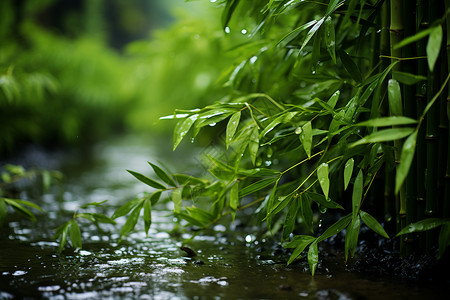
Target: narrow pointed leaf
[[154, 198], [384, 136], [395, 98], [350, 66], [147, 181], [147, 215], [406, 158], [387, 121], [330, 40], [234, 196], [411, 39], [423, 225], [351, 237], [444, 239], [334, 229], [2, 211], [125, 209], [257, 186], [313, 257], [373, 224], [253, 144], [322, 175], [357, 194], [408, 78], [75, 235], [300, 242], [306, 212], [291, 216], [294, 33], [232, 125], [334, 99], [162, 175], [182, 128], [311, 33], [132, 219], [434, 46], [177, 200], [306, 138], [348, 171]]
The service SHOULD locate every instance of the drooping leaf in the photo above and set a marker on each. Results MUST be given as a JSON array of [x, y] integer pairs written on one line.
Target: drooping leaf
[[306, 138], [15, 204], [334, 229], [147, 181], [62, 232], [351, 237], [322, 201], [162, 175], [444, 239], [96, 204], [406, 158], [182, 128], [253, 144], [2, 211], [132, 219], [256, 186], [348, 171], [411, 39], [279, 204], [330, 40], [228, 11], [291, 216], [357, 194], [299, 242], [384, 136], [234, 196], [202, 216], [423, 225], [294, 33], [334, 99], [322, 175], [373, 224], [147, 215], [154, 198], [350, 66], [408, 78], [177, 200], [395, 98], [387, 121], [313, 257], [311, 32], [434, 46], [125, 209], [233, 124], [75, 234]]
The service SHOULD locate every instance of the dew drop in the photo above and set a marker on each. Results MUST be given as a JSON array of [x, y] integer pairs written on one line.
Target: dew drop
[[227, 29]]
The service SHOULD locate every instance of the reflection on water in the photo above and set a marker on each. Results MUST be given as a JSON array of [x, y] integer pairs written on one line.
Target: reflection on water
[[229, 264]]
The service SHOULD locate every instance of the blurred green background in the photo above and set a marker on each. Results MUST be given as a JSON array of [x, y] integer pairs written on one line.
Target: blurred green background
[[75, 72]]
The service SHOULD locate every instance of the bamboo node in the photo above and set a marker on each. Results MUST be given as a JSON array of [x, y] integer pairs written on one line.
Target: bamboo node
[[431, 137]]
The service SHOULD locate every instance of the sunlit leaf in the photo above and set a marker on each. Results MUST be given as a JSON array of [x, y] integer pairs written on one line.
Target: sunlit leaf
[[294, 33], [373, 224], [384, 136], [75, 234], [306, 138], [322, 175], [311, 33], [334, 99], [351, 237], [434, 46], [387, 121], [233, 124], [348, 171], [313, 257], [406, 158], [162, 175], [350, 66], [423, 225], [395, 98], [357, 194], [182, 128], [256, 186], [330, 41], [146, 180]]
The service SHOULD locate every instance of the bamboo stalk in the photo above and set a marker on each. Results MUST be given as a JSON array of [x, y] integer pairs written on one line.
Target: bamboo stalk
[[446, 209]]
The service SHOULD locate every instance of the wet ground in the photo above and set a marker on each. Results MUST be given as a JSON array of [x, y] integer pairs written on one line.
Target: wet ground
[[229, 262]]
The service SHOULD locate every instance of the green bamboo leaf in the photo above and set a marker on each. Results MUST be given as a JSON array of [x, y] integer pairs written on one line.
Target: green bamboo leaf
[[154, 198], [395, 98], [332, 6], [202, 216], [147, 181], [162, 175], [191, 220], [411, 39], [334, 229], [279, 205], [228, 11], [407, 78], [334, 99], [322, 201], [132, 219], [306, 138], [177, 200], [313, 257], [284, 118], [75, 234], [322, 175], [351, 237], [311, 33], [291, 216], [294, 33], [384, 136], [234, 196], [357, 194], [348, 171], [102, 218], [387, 121], [299, 242], [2, 211], [125, 209], [434, 46], [256, 186], [373, 224], [350, 66], [96, 204], [330, 40], [406, 158], [232, 125], [14, 203], [253, 144], [306, 211], [147, 215], [423, 225], [182, 128], [444, 239], [62, 232]]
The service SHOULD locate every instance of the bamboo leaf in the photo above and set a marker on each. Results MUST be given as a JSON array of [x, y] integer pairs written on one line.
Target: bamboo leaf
[[162, 175], [147, 181], [384, 136], [253, 144], [75, 235], [300, 242], [279, 205], [202, 216], [350, 66], [322, 201], [334, 99], [313, 257], [434, 46], [234, 196], [357, 194], [147, 215], [96, 204], [423, 225], [125, 209], [322, 175], [232, 125], [411, 39], [154, 198], [395, 98], [132, 219], [334, 229], [228, 12], [3, 211], [311, 33], [14, 203], [182, 128], [407, 78], [256, 186], [387, 121], [177, 200], [406, 158], [444, 239], [330, 40], [373, 224], [62, 231], [306, 138], [348, 171], [294, 33], [291, 216], [351, 237]]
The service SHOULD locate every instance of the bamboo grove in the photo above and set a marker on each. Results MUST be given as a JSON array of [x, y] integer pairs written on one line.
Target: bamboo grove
[[333, 108]]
